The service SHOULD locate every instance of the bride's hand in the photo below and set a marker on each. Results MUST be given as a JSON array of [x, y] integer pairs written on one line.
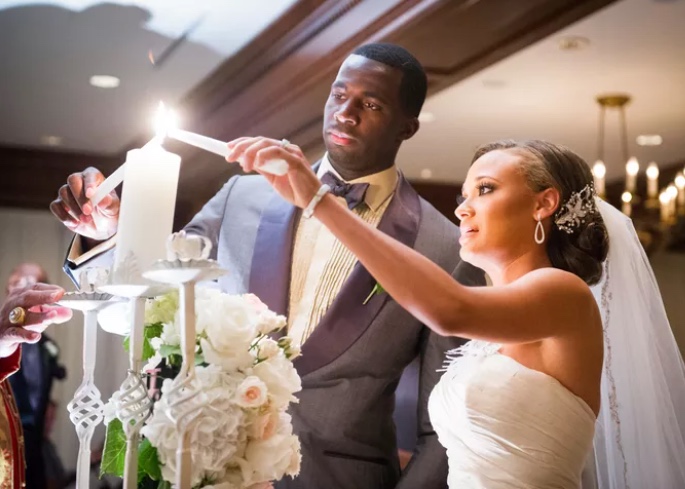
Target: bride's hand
[[298, 186]]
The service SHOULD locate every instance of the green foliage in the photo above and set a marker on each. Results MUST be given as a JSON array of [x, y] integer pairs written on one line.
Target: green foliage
[[377, 289], [148, 462], [114, 453], [150, 331]]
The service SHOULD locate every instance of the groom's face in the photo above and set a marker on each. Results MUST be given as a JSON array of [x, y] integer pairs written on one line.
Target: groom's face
[[497, 212], [364, 120]]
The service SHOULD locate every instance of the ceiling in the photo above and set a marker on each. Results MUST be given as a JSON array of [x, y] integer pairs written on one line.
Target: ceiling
[[231, 70], [52, 48], [542, 92]]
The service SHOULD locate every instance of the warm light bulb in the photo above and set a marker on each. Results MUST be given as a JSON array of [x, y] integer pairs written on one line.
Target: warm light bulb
[[632, 167], [664, 198], [652, 171], [672, 191], [680, 181], [626, 197], [599, 170]]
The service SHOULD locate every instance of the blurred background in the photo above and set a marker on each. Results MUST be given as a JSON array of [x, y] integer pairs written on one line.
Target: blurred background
[[81, 80]]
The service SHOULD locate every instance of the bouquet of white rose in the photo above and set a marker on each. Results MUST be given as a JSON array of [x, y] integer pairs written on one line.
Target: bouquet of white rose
[[242, 436]]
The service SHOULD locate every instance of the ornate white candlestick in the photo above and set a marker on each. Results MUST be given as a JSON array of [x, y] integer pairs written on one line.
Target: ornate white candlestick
[[86, 408], [134, 406], [186, 265]]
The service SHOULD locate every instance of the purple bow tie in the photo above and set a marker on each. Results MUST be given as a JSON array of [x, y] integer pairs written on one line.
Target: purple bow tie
[[352, 192]]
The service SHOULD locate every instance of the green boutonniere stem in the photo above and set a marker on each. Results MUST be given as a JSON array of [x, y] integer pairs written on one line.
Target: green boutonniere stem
[[377, 289]]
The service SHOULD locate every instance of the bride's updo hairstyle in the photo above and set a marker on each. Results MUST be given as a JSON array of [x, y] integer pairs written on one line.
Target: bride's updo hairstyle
[[583, 246]]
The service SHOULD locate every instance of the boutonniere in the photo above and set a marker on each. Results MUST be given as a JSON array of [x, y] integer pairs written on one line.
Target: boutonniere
[[377, 289]]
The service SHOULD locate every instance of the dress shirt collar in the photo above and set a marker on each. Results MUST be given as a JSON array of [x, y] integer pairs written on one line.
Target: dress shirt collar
[[381, 184]]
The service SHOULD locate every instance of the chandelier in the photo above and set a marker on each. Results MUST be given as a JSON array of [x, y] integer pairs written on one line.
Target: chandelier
[[658, 212]]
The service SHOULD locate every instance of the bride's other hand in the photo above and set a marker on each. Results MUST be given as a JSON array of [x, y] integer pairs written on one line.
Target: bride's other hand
[[298, 186]]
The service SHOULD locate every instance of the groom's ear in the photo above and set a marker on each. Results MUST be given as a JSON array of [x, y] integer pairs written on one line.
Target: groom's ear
[[411, 126], [547, 202]]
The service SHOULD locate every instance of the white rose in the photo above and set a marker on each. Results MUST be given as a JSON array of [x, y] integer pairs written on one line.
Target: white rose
[[272, 458], [267, 348], [251, 393], [281, 379], [171, 334], [255, 302], [270, 322], [229, 324], [263, 427]]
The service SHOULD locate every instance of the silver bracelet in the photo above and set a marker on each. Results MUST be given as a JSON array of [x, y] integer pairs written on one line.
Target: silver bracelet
[[309, 210]]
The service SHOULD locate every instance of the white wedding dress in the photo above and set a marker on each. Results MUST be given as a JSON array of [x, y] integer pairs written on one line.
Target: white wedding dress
[[507, 426]]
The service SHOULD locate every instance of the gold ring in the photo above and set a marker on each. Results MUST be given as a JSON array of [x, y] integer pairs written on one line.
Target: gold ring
[[284, 143], [17, 315]]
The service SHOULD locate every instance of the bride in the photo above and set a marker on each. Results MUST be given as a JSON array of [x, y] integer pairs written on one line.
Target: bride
[[547, 370]]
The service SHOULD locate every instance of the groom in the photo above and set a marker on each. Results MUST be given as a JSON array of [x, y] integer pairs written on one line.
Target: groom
[[354, 345]]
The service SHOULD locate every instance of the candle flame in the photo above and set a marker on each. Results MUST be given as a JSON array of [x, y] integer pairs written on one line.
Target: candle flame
[[672, 191], [165, 120], [626, 197], [652, 171], [680, 181], [632, 167], [599, 170]]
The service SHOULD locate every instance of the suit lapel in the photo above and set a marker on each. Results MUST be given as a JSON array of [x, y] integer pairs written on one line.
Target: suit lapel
[[271, 266], [348, 318], [272, 257]]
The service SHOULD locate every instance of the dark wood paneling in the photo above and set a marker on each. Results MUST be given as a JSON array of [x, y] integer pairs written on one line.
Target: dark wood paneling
[[31, 179], [442, 196]]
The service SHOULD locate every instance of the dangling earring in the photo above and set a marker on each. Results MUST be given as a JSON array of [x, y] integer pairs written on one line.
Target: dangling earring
[[539, 232]]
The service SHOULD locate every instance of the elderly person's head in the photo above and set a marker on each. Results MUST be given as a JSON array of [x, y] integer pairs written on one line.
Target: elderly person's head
[[24, 275]]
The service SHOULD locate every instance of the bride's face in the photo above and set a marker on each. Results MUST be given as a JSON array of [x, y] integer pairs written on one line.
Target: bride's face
[[497, 211]]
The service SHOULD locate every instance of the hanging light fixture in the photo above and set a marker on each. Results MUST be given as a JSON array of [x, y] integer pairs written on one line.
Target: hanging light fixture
[[659, 215]]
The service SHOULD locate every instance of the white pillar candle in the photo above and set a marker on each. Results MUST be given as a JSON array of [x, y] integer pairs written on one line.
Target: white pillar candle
[[626, 198], [599, 172], [632, 169], [147, 211], [680, 185], [672, 192], [664, 199], [652, 180]]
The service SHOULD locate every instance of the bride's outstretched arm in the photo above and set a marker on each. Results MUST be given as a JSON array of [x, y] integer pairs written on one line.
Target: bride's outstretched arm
[[542, 304]]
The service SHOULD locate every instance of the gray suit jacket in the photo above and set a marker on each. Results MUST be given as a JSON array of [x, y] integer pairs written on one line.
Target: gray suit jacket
[[353, 361]]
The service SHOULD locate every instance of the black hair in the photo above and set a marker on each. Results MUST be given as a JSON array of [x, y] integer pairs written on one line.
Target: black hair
[[414, 83]]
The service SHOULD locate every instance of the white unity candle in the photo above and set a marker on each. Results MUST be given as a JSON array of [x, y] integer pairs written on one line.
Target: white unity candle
[[147, 210]]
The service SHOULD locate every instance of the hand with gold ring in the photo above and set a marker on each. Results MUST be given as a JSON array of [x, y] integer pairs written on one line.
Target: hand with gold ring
[[26, 313]]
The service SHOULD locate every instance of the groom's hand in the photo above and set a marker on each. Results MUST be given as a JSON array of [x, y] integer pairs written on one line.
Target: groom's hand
[[298, 186], [73, 207]]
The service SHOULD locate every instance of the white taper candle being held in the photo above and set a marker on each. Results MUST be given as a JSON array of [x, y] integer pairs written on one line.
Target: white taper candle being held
[[166, 124]]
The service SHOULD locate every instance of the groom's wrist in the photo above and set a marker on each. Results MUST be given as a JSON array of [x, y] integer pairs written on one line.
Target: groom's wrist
[[308, 211]]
